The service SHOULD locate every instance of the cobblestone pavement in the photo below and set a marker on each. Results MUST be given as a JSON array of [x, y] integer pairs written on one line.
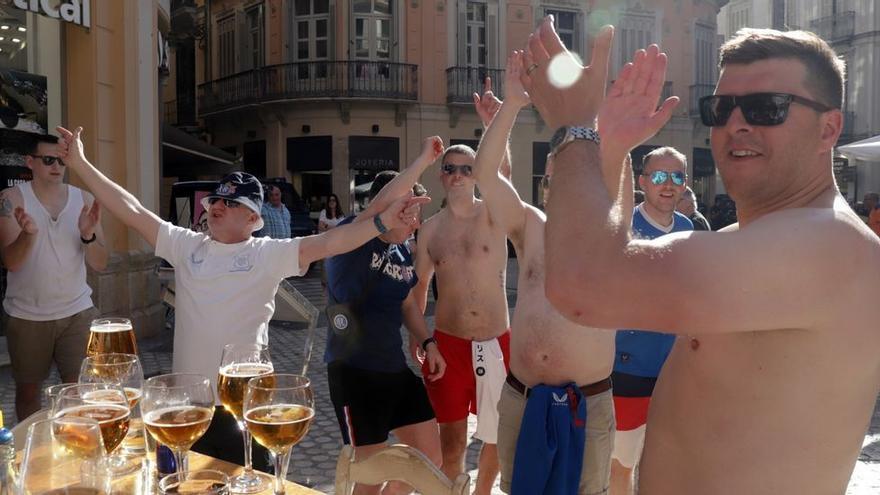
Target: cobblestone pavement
[[313, 461]]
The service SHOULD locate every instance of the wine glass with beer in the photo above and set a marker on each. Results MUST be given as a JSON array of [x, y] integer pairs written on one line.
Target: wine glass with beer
[[109, 335], [63, 455], [278, 410], [177, 410], [124, 370], [104, 403], [238, 364]]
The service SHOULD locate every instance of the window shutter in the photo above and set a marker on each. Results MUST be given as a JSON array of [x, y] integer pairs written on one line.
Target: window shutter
[[461, 34], [492, 48], [242, 41]]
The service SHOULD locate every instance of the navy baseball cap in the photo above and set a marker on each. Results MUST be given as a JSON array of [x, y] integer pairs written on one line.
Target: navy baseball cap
[[243, 188]]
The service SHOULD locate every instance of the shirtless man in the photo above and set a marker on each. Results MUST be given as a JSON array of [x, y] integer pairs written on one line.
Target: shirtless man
[[546, 348], [774, 384], [468, 253]]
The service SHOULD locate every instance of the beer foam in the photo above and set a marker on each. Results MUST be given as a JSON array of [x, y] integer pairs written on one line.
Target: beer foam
[[111, 327], [280, 414], [179, 416], [102, 413], [239, 370]]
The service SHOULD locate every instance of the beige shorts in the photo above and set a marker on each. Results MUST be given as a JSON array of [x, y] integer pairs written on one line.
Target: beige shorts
[[596, 470], [35, 345]]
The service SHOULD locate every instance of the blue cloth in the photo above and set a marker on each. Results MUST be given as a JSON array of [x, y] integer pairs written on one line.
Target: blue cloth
[[550, 448], [379, 347], [276, 222], [642, 353]]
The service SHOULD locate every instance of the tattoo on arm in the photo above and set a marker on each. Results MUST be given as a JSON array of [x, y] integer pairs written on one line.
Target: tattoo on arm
[[5, 206]]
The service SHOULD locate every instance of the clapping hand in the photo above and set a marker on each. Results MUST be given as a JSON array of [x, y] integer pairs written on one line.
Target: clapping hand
[[89, 218], [25, 221]]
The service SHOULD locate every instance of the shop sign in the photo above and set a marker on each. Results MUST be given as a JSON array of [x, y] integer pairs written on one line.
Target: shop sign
[[73, 11]]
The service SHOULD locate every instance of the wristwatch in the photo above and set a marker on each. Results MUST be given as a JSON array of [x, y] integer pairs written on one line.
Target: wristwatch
[[427, 341], [89, 240], [567, 134]]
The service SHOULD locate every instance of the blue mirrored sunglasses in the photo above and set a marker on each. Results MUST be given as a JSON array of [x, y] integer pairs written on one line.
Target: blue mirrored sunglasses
[[661, 176]]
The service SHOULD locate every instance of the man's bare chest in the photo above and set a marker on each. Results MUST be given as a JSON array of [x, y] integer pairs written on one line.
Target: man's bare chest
[[467, 243]]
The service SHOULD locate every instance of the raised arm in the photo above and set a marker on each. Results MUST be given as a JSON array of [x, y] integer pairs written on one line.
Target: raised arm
[[121, 203], [595, 271], [402, 212], [401, 185], [487, 106], [505, 205], [18, 232], [90, 227]]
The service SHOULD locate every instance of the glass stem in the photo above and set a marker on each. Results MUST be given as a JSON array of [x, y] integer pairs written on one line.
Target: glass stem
[[281, 462], [179, 458], [246, 436]]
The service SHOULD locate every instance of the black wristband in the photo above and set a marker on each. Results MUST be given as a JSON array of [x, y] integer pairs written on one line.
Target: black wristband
[[426, 342], [90, 240], [379, 225]]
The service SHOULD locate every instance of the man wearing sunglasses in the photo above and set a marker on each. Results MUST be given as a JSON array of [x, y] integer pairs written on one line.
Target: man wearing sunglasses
[[49, 231], [467, 252], [639, 355], [774, 377]]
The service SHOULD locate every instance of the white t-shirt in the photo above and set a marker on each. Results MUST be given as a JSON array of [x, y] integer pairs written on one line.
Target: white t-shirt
[[224, 293], [332, 222]]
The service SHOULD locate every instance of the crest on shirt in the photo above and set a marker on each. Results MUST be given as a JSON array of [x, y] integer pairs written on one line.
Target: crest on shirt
[[241, 263]]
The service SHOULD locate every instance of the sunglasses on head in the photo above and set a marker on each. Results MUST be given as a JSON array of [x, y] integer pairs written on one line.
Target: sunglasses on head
[[450, 169], [230, 203], [661, 176], [757, 108], [49, 160]]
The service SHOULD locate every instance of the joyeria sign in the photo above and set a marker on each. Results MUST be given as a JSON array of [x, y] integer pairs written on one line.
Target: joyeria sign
[[73, 11]]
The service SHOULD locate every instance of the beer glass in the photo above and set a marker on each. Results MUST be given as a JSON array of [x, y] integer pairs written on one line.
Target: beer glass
[[238, 364], [177, 410], [278, 410], [63, 455], [203, 482], [109, 335], [125, 371], [105, 403]]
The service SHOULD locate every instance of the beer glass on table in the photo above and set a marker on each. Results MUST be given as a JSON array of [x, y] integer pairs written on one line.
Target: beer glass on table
[[177, 410], [278, 410], [238, 364], [125, 371], [106, 404], [111, 335], [63, 455]]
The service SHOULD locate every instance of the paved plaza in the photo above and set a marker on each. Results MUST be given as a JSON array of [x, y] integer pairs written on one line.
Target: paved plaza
[[313, 462]]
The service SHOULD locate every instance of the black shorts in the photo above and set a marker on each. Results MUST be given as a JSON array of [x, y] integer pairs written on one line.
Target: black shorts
[[369, 404]]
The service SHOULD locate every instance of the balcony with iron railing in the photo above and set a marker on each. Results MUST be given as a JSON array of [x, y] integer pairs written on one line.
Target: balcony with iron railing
[[343, 79], [698, 91], [837, 28], [463, 82]]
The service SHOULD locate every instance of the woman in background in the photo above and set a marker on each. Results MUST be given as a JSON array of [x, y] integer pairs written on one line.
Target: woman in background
[[331, 215]]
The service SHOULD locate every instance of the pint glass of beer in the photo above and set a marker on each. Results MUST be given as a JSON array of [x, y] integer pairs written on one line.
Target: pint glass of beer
[[111, 335]]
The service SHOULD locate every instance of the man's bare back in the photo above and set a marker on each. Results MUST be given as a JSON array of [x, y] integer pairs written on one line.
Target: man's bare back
[[469, 255], [545, 346], [785, 399]]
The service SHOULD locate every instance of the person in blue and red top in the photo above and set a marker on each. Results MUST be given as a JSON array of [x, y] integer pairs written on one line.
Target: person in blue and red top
[[373, 390], [640, 354]]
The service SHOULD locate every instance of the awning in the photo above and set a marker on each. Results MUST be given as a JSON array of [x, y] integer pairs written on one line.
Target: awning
[[866, 149], [185, 155]]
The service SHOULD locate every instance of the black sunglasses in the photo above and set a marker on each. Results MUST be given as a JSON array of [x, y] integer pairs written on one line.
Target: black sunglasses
[[757, 108], [450, 169], [230, 203], [50, 160]]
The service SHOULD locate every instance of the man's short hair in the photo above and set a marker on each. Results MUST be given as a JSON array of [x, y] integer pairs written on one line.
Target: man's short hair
[[689, 194], [663, 152], [32, 141], [386, 176], [825, 74], [458, 149]]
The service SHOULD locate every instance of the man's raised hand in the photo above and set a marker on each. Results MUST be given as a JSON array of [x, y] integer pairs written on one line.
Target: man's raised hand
[[404, 211], [629, 115], [548, 66], [72, 145], [487, 104], [432, 148], [514, 93], [25, 222]]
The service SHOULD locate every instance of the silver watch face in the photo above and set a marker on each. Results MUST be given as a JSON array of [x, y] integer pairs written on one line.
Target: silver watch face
[[558, 137]]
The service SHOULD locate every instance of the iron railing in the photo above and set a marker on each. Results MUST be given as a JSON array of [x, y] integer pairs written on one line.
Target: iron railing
[[463, 82], [311, 80]]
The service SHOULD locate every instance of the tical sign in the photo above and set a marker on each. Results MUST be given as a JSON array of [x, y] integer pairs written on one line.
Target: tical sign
[[74, 11]]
